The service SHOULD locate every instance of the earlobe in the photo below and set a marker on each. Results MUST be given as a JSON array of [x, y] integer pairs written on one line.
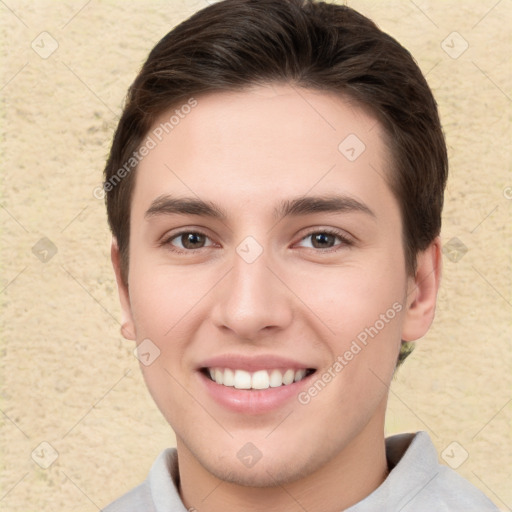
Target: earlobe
[[422, 292], [127, 324]]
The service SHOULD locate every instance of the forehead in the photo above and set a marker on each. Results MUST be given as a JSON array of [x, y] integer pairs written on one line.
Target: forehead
[[250, 147]]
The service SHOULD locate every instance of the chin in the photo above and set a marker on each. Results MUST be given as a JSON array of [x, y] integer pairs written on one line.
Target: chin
[[266, 472], [262, 477]]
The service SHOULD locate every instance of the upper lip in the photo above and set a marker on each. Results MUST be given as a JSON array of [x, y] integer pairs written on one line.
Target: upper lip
[[252, 363]]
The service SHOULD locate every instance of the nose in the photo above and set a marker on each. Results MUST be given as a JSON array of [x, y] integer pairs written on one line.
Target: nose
[[253, 299]]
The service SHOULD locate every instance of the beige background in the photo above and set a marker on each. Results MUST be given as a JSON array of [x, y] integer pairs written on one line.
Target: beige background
[[70, 380]]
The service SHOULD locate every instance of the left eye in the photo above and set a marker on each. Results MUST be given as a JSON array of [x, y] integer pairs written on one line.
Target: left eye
[[324, 239]]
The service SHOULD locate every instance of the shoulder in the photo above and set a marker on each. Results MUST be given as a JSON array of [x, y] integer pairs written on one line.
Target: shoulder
[[135, 500], [158, 492], [437, 487], [452, 492]]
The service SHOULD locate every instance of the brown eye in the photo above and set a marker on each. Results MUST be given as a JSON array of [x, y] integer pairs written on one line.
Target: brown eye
[[192, 240], [322, 240], [326, 239], [187, 241]]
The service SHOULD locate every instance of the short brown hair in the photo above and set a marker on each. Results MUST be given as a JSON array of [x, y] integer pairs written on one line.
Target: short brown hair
[[235, 44]]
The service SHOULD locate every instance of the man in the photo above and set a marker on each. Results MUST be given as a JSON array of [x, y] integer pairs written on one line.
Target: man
[[274, 189]]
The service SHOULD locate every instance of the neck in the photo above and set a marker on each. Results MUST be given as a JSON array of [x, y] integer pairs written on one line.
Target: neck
[[343, 481]]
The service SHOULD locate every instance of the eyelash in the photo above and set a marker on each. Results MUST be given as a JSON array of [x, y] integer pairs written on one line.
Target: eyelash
[[345, 241]]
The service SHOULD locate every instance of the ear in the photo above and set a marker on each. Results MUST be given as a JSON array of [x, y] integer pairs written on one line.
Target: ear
[[422, 292], [127, 323]]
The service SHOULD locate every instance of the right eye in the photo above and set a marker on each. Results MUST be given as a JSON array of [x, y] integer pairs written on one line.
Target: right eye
[[188, 241]]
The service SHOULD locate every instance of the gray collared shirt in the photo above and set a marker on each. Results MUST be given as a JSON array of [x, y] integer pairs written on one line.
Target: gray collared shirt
[[417, 483]]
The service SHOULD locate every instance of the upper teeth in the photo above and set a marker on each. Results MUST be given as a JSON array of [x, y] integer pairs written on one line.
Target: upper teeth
[[262, 379]]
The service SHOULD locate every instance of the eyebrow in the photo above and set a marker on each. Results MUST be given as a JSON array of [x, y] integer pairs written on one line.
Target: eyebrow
[[169, 205]]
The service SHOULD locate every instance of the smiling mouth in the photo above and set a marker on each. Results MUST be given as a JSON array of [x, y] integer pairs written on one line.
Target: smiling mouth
[[259, 380]]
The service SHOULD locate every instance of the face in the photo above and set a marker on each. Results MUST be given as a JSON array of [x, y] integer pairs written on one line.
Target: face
[[267, 288]]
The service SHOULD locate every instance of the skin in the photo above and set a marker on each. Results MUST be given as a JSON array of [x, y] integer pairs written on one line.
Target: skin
[[247, 151]]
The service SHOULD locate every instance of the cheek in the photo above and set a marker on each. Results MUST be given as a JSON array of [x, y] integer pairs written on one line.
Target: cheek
[[163, 299], [349, 299], [165, 306], [362, 306]]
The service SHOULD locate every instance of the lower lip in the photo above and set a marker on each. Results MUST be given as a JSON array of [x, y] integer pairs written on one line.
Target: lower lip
[[252, 401]]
